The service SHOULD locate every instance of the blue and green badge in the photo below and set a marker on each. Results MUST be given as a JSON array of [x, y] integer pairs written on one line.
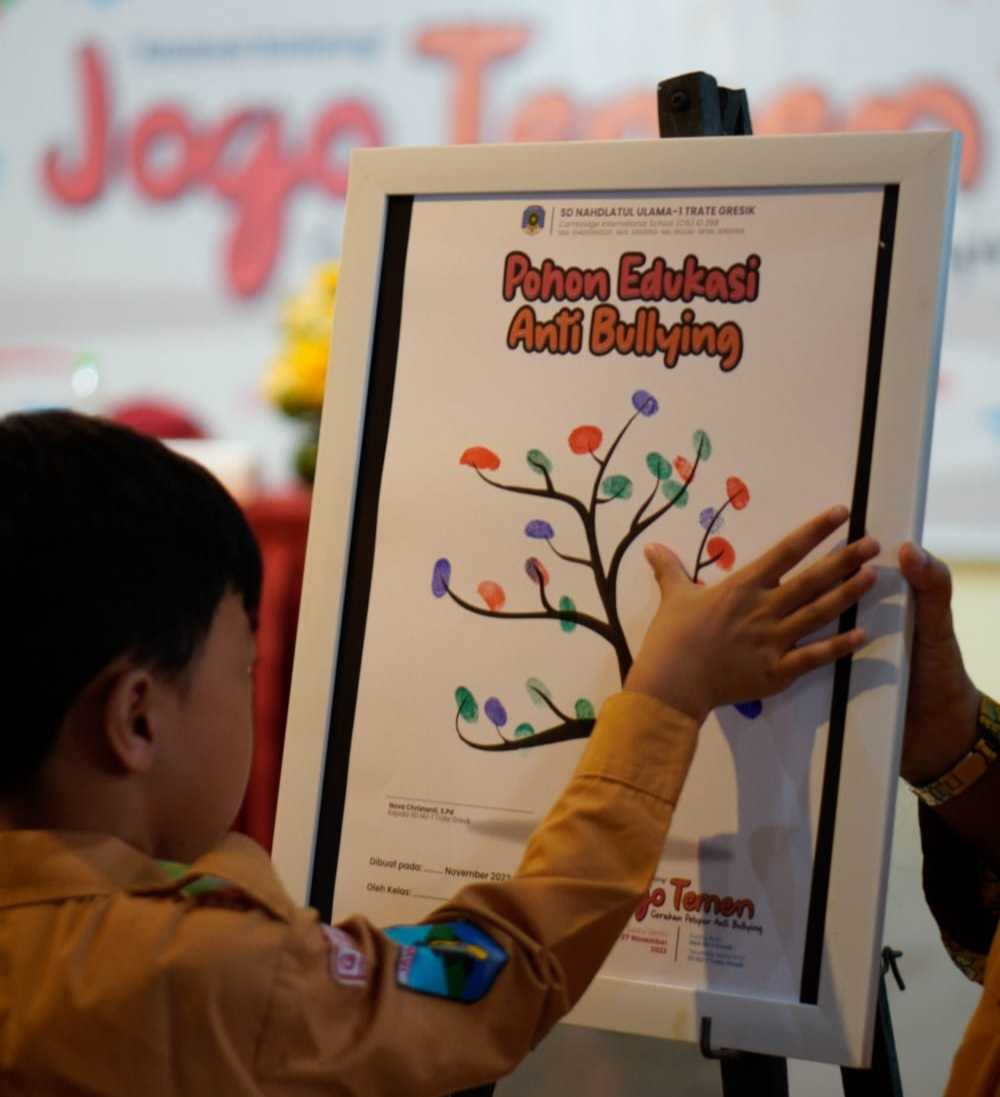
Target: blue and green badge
[[455, 960]]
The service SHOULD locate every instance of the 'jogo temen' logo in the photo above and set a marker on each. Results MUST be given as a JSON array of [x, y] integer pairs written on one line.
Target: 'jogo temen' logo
[[533, 220]]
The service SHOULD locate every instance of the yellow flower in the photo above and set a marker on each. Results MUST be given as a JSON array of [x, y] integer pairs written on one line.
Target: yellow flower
[[297, 376]]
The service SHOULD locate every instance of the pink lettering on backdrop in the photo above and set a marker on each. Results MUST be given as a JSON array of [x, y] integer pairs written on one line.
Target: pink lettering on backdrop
[[470, 50], [808, 110], [244, 158], [84, 182]]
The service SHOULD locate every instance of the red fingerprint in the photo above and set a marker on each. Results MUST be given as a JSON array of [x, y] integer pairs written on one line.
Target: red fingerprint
[[738, 492], [721, 552], [585, 439], [492, 594], [479, 457]]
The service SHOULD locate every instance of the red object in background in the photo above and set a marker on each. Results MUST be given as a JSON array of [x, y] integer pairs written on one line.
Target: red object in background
[[157, 418], [280, 523]]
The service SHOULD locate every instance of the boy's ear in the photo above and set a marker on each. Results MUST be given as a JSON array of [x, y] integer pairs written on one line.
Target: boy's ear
[[131, 718]]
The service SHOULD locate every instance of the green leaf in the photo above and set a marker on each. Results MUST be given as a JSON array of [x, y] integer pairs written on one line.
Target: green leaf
[[617, 487], [676, 493], [467, 707], [658, 465], [523, 730], [567, 605], [538, 462], [702, 446], [537, 690], [584, 709]]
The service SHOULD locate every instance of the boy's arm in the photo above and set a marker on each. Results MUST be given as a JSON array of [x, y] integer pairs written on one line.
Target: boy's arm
[[421, 1010], [391, 1024]]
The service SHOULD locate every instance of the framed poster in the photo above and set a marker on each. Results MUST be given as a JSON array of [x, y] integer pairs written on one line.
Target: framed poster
[[545, 356]]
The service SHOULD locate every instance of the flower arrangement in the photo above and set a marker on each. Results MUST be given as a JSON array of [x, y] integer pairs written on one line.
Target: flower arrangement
[[296, 377]]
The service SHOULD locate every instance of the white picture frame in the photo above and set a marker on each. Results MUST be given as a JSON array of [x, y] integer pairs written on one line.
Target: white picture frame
[[918, 170]]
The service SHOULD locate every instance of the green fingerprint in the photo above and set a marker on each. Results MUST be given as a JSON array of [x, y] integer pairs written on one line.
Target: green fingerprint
[[676, 493], [538, 462], [467, 707], [567, 605], [658, 465], [617, 487], [523, 730], [702, 446], [584, 709], [538, 691]]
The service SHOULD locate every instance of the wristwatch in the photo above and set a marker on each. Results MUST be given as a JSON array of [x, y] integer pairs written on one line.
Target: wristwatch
[[969, 769]]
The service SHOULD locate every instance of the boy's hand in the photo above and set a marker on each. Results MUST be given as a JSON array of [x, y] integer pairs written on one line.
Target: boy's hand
[[943, 703], [735, 641]]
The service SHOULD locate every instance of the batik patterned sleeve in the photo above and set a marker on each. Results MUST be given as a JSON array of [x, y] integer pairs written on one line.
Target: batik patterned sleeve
[[963, 893]]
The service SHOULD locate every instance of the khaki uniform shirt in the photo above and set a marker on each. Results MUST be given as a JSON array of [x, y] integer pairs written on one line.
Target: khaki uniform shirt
[[121, 977]]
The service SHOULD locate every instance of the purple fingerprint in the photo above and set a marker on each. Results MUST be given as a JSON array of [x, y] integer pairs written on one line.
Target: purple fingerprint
[[644, 402], [750, 709], [540, 530], [441, 578], [495, 712]]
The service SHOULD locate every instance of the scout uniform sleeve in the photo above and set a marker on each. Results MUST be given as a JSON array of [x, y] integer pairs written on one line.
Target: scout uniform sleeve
[[462, 998]]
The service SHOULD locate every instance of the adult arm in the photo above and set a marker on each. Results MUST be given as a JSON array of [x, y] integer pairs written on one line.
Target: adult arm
[[961, 837]]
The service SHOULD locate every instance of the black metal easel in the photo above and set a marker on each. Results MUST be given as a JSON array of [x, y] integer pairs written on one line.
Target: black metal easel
[[747, 1074], [694, 105]]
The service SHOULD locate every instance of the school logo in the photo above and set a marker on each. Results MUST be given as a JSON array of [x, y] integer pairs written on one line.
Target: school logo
[[533, 220], [348, 965]]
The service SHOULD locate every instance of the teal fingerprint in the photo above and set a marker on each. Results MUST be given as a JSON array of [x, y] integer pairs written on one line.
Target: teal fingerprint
[[676, 493], [538, 691], [467, 707], [658, 465], [617, 487], [567, 605], [538, 462]]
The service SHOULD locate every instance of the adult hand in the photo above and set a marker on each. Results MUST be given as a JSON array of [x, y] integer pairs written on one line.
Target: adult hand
[[736, 640], [943, 702]]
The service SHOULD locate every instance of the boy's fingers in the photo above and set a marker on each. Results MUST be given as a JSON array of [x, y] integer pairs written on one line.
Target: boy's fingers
[[795, 546], [827, 608], [668, 571], [809, 657], [821, 576]]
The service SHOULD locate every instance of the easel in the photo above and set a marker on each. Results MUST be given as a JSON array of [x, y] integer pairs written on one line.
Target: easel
[[747, 1074], [694, 105]]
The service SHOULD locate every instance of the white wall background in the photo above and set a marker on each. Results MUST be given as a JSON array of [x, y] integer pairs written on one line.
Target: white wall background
[[142, 285]]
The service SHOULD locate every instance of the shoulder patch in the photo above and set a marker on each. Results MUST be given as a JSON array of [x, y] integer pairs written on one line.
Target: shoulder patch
[[455, 960], [348, 964]]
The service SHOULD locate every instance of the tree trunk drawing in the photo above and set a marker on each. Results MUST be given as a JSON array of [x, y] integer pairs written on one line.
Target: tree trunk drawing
[[672, 481]]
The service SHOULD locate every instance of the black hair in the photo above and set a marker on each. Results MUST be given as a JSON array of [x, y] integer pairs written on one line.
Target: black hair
[[110, 544]]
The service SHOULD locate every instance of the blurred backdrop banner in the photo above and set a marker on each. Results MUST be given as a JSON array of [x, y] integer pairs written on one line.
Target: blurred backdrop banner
[[171, 174]]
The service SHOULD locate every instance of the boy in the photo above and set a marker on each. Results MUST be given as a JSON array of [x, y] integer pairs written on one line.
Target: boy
[[143, 951]]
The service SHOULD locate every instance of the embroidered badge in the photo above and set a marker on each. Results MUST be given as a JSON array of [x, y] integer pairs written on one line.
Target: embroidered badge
[[348, 964], [454, 960]]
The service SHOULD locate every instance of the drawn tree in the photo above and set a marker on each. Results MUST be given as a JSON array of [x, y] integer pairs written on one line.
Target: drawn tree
[[671, 481]]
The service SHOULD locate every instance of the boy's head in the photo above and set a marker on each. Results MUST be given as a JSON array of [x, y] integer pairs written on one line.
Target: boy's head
[[130, 580]]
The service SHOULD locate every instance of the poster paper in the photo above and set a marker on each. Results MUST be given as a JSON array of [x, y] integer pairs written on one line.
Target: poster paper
[[577, 376]]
